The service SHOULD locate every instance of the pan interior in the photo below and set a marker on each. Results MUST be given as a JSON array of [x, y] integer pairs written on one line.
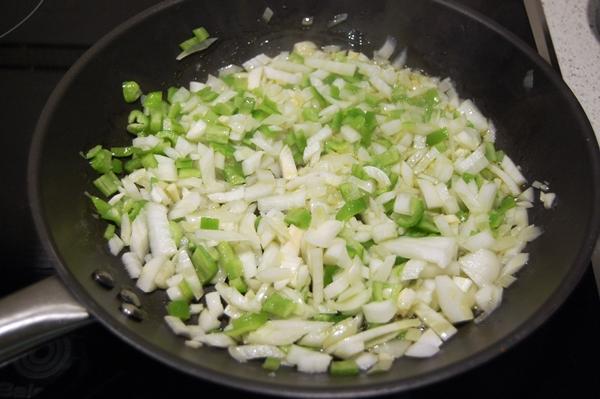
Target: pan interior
[[541, 128]]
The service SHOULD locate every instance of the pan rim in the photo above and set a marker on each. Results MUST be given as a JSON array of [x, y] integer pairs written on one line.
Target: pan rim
[[578, 265]]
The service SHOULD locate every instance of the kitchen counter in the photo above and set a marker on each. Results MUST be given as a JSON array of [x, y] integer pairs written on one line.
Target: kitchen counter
[[577, 46]]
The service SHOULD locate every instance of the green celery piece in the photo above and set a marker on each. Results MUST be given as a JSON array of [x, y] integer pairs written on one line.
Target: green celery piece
[[206, 267], [487, 174], [295, 57], [156, 119], [344, 368], [180, 309], [338, 145], [368, 129], [109, 232], [108, 183], [507, 203], [399, 94], [278, 305], [176, 231], [93, 151], [121, 152], [233, 172], [350, 192], [207, 223], [497, 216], [184, 173], [335, 92], [268, 106], [310, 114], [468, 177], [135, 209], [437, 137], [300, 217], [148, 161], [427, 225], [184, 163], [186, 291], [153, 100], [117, 166], [336, 122], [224, 109], [388, 207], [105, 210], [354, 248], [226, 149], [102, 161], [372, 100], [267, 131], [359, 172], [377, 287], [330, 78], [499, 155], [426, 100], [317, 96], [490, 152], [236, 83], [133, 164], [259, 114], [352, 208], [328, 272], [131, 91], [217, 133], [271, 364], [207, 94], [201, 33], [239, 284], [417, 209], [229, 261], [170, 93], [137, 122], [387, 158], [168, 135], [189, 43], [246, 323], [495, 219], [247, 105]]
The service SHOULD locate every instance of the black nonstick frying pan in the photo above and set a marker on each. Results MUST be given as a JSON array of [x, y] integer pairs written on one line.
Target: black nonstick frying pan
[[542, 127]]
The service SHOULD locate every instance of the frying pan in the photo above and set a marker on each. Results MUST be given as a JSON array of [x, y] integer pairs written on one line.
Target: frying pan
[[542, 127]]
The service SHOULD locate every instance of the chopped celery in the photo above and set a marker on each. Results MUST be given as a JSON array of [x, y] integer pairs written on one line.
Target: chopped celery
[[180, 309], [206, 267], [271, 364], [246, 323], [209, 223], [279, 305], [299, 217], [352, 208], [131, 91], [344, 368]]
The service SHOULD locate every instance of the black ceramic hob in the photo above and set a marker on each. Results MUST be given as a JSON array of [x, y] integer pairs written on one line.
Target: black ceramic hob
[[557, 360]]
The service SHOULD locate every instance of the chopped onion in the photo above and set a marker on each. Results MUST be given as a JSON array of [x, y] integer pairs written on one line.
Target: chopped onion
[[337, 19], [267, 14], [304, 191]]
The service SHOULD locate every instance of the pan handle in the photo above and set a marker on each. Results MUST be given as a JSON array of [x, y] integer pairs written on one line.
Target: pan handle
[[35, 314]]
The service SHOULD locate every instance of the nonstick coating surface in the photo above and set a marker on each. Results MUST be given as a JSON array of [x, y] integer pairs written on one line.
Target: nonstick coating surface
[[543, 129]]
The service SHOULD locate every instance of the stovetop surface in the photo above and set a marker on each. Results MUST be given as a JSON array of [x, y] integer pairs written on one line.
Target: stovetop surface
[[557, 360]]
